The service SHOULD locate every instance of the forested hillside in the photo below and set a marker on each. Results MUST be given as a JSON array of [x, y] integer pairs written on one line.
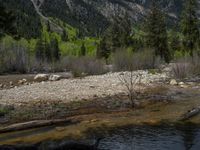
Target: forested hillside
[[90, 17], [50, 31]]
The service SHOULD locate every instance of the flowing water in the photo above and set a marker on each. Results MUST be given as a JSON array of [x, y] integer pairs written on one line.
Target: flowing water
[[153, 138], [129, 138]]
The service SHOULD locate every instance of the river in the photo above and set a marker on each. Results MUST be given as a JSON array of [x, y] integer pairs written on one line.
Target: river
[[127, 138]]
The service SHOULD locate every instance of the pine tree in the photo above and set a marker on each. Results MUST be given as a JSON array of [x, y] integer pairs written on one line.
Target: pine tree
[[48, 26], [64, 36], [40, 50], [7, 23], [83, 50], [117, 36], [175, 42], [156, 32], [190, 26], [55, 51], [119, 33], [48, 54], [103, 51]]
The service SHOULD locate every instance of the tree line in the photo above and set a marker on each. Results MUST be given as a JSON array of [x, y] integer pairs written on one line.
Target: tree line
[[120, 34]]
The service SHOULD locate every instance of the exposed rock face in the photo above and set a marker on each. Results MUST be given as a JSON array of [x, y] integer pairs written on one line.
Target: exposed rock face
[[95, 15]]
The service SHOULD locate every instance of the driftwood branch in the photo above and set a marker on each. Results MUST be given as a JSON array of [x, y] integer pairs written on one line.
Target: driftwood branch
[[34, 124], [190, 114]]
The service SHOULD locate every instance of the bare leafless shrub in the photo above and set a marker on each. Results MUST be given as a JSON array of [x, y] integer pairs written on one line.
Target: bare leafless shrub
[[13, 58], [84, 65], [195, 61], [186, 67], [124, 61], [181, 70], [132, 83]]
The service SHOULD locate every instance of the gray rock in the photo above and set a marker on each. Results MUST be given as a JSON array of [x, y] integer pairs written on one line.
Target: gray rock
[[173, 82], [11, 83], [66, 75], [23, 81], [41, 77], [181, 83], [54, 77]]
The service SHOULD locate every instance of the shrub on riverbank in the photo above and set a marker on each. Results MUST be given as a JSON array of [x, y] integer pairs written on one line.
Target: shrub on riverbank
[[186, 67], [123, 60], [85, 66]]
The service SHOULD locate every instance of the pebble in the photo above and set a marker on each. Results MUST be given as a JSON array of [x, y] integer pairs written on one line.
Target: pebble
[[67, 90]]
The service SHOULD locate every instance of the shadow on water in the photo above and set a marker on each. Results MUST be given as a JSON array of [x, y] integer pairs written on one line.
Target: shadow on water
[[127, 138]]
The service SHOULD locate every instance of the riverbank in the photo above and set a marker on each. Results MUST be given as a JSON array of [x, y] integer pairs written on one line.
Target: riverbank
[[93, 102], [153, 111]]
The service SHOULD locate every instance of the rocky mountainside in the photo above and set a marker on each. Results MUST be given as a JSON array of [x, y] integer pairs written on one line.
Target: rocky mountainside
[[92, 16]]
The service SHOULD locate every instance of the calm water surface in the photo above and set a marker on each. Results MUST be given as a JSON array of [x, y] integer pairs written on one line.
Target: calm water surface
[[153, 138], [127, 138]]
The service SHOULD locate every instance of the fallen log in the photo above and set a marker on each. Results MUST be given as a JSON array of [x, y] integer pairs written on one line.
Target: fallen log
[[34, 124], [190, 114]]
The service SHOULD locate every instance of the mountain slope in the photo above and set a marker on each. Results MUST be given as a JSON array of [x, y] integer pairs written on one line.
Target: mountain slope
[[94, 15], [91, 17]]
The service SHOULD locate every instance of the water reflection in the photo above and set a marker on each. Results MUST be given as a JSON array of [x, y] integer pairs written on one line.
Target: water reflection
[[153, 138], [128, 138]]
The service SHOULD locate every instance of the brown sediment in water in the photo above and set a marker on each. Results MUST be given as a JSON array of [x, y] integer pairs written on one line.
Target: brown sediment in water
[[152, 114]]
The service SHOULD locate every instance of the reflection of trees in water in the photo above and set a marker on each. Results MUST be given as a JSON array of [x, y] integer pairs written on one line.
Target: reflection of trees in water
[[189, 134]]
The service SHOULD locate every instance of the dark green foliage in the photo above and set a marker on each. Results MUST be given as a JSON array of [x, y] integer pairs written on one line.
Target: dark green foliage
[[28, 23], [65, 36], [103, 51], [119, 33], [84, 17], [190, 26], [117, 36], [83, 50], [175, 43], [7, 20], [156, 32], [48, 26], [47, 52], [40, 50], [54, 50]]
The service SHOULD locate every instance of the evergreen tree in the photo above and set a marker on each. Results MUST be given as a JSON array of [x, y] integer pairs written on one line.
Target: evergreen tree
[[40, 50], [175, 42], [119, 33], [156, 32], [64, 36], [103, 51], [83, 50], [48, 26], [7, 23], [55, 51], [48, 52], [190, 26], [117, 36]]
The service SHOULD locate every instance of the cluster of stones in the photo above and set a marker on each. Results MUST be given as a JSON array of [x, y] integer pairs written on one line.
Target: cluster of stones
[[173, 82]]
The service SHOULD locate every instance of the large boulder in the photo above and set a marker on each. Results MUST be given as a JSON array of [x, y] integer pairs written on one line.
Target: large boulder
[[54, 77], [41, 77]]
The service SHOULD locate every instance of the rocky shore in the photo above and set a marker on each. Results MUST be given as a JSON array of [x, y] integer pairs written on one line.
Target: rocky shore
[[74, 89]]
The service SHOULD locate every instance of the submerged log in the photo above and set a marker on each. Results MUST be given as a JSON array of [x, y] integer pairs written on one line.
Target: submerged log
[[34, 124], [190, 114]]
